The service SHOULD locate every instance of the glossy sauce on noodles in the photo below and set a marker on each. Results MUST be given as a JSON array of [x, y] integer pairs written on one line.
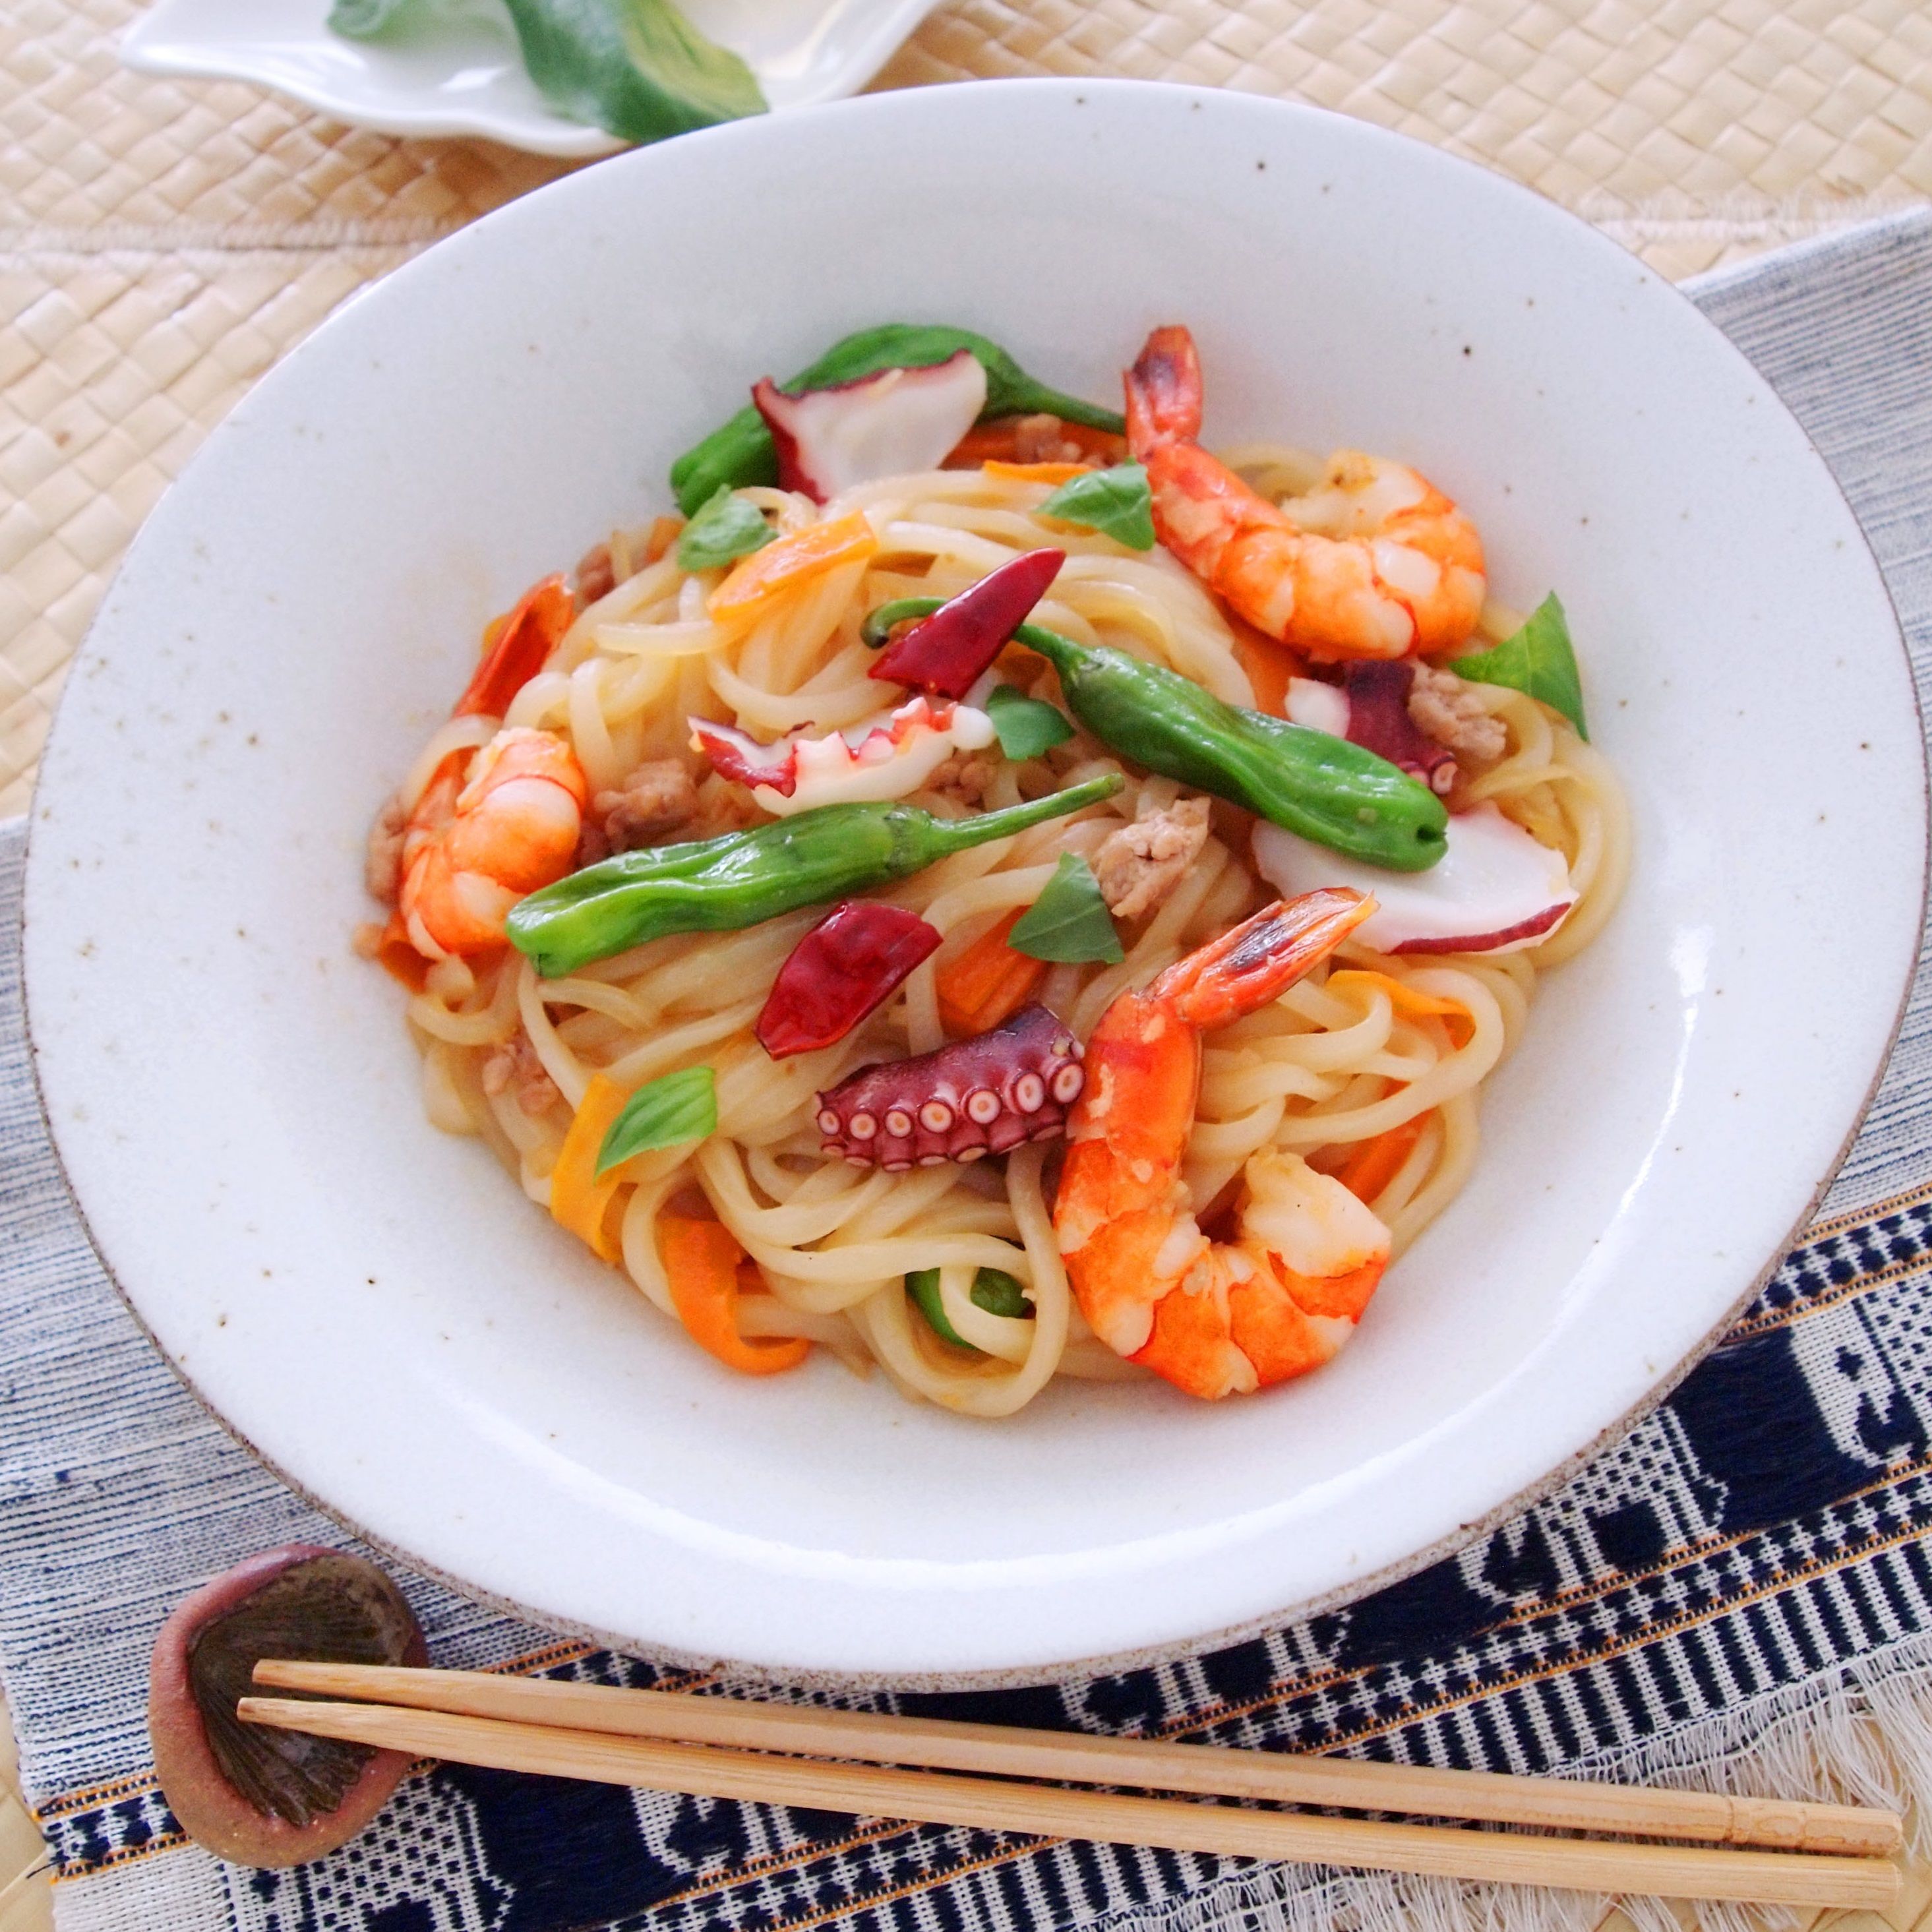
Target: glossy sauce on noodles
[[1338, 1061]]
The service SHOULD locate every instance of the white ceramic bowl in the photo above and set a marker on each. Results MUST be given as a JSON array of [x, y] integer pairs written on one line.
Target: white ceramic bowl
[[379, 1311], [468, 78]]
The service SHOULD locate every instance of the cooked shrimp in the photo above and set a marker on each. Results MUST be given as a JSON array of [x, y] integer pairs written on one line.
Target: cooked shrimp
[[1216, 1319], [477, 844], [446, 860], [1376, 563]]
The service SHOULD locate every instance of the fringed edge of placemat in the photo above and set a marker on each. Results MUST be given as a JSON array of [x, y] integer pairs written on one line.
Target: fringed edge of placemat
[[1858, 1734]]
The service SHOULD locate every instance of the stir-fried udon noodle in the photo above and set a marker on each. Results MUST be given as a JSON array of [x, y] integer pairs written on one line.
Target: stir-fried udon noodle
[[1023, 1158]]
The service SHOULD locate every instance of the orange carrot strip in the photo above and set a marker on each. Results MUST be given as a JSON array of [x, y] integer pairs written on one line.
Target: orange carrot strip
[[579, 1200], [1375, 1163], [996, 442], [1101, 446], [663, 532], [988, 982], [999, 441], [1268, 663], [760, 580], [397, 955], [1406, 999], [1034, 472], [700, 1260], [515, 647]]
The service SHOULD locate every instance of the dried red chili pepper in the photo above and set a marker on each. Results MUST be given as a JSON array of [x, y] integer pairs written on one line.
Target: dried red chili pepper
[[947, 651], [518, 649], [849, 963]]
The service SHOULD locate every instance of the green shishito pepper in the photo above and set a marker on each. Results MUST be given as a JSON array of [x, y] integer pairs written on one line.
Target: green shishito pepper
[[722, 885], [1320, 786], [993, 1289], [740, 453], [1336, 793]]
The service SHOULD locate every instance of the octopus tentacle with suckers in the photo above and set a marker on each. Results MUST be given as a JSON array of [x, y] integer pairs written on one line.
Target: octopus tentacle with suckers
[[965, 1100]]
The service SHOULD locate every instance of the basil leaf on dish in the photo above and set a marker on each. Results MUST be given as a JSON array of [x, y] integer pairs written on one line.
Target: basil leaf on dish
[[365, 20], [637, 68], [664, 1112], [1538, 659], [994, 1291], [725, 528], [1026, 726], [1117, 502], [1069, 921]]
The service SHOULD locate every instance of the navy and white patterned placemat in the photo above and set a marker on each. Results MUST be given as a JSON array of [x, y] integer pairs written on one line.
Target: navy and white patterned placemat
[[1739, 1590]]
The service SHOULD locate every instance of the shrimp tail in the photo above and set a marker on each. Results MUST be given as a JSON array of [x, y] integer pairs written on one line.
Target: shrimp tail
[[1244, 969], [1163, 393], [1216, 1318]]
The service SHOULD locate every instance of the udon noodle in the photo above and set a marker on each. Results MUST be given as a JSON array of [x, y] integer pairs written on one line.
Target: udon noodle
[[1338, 1061]]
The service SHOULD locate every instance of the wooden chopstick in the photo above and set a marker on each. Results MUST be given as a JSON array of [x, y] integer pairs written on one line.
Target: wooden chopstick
[[939, 1745], [927, 1797]]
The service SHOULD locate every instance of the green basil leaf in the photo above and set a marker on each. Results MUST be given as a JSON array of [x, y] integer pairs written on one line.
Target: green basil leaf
[[725, 528], [997, 1292], [366, 19], [1539, 659], [664, 1112], [739, 452], [637, 68], [1117, 502], [1027, 727], [1069, 921]]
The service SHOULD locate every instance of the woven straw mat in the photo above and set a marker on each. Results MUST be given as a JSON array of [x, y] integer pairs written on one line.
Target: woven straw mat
[[162, 245]]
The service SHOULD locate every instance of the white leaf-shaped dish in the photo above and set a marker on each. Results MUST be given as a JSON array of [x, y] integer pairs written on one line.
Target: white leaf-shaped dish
[[466, 77]]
